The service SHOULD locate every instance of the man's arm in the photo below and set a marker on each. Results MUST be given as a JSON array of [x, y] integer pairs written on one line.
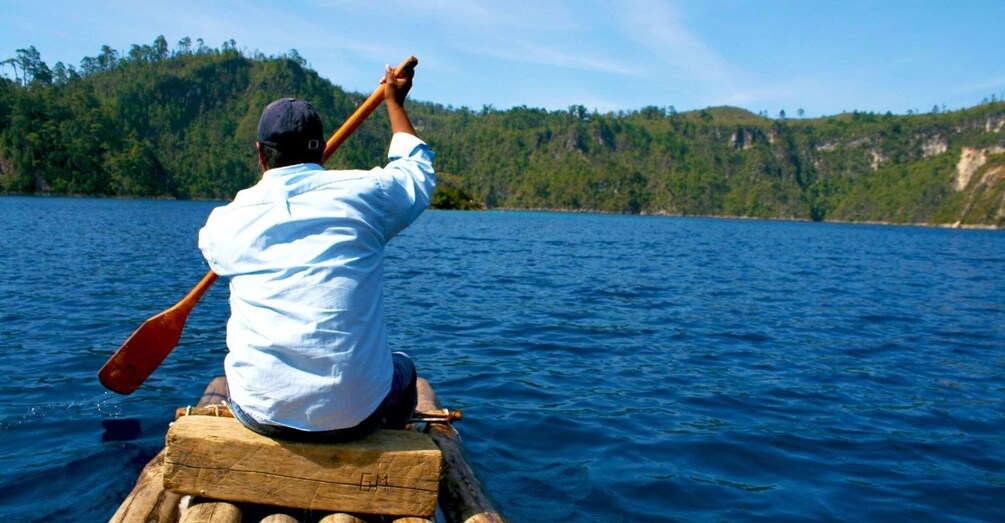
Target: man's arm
[[410, 177], [395, 91]]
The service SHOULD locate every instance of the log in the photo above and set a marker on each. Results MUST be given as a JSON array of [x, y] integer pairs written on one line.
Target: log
[[215, 393], [341, 518], [148, 501], [212, 512], [391, 472], [462, 496]]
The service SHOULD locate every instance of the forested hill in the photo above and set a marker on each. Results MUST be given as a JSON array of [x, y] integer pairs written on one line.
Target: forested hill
[[181, 123], [166, 123]]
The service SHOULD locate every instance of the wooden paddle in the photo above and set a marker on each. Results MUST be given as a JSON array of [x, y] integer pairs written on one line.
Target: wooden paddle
[[147, 347]]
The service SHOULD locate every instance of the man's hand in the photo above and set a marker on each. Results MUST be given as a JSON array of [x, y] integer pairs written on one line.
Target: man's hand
[[396, 88], [395, 91]]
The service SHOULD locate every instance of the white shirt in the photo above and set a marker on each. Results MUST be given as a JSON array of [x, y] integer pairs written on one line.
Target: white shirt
[[304, 251]]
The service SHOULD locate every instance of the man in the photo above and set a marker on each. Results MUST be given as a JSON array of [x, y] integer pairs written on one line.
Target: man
[[304, 250]]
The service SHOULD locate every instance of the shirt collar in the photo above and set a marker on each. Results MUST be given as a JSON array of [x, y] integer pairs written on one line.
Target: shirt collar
[[283, 172]]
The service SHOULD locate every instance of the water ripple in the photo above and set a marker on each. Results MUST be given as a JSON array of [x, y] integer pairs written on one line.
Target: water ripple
[[610, 368]]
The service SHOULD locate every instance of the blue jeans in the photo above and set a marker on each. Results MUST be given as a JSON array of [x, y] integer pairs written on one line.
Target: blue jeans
[[392, 413]]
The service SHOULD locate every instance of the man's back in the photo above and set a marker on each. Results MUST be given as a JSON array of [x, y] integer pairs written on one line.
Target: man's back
[[304, 249]]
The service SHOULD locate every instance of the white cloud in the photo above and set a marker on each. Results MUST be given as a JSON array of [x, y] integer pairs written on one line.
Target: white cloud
[[552, 56], [503, 17], [989, 85], [539, 33], [657, 27]]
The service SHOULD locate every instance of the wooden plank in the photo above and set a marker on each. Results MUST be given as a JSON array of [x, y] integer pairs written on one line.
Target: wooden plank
[[462, 496], [390, 472]]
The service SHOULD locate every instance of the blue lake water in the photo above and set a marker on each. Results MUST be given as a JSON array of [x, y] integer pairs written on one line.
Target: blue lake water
[[610, 368]]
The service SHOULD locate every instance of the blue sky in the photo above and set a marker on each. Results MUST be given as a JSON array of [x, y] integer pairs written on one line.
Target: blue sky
[[824, 57]]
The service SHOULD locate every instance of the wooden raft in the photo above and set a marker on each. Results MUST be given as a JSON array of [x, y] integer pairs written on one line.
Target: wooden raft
[[392, 472], [462, 497]]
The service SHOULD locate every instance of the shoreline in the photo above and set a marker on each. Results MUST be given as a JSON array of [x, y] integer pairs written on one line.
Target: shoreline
[[957, 225], [111, 197]]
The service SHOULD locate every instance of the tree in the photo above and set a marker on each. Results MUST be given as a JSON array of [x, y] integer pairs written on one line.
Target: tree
[[89, 65], [140, 53], [32, 67], [578, 111], [160, 48], [12, 62], [60, 74], [184, 46], [108, 58], [651, 112], [295, 56]]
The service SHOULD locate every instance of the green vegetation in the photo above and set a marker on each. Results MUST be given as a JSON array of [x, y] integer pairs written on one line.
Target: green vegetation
[[180, 123]]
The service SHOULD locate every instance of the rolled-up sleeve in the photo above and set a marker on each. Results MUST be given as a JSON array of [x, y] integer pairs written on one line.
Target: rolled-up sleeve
[[207, 244], [408, 180]]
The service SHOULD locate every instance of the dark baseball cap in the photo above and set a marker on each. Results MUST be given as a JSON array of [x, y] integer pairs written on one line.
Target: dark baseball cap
[[289, 124]]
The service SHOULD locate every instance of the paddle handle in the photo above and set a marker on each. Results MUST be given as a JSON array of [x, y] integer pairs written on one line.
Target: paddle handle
[[364, 110], [194, 295]]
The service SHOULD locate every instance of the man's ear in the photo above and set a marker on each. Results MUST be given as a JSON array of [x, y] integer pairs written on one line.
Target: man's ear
[[261, 157]]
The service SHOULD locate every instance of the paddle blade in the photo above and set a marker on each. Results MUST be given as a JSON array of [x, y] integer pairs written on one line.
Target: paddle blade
[[137, 358]]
